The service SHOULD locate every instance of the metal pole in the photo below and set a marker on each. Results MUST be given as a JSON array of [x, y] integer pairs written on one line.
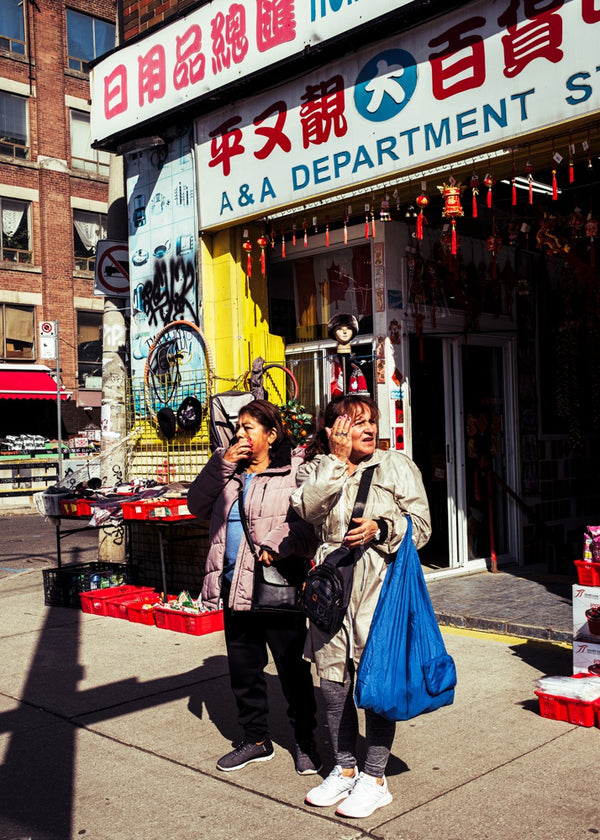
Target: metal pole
[[58, 406]]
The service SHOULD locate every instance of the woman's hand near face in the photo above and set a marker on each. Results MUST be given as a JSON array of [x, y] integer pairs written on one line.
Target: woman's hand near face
[[239, 450], [340, 438]]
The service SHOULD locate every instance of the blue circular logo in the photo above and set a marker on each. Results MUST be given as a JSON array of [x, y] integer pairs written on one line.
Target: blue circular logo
[[385, 85]]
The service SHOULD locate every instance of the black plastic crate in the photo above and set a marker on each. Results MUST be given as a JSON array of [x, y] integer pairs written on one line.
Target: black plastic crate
[[63, 585]]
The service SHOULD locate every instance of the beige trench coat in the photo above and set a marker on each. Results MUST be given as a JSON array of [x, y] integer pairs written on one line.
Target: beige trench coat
[[325, 497]]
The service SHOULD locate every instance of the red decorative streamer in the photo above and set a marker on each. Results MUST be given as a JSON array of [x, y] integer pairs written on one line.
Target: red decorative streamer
[[283, 254], [262, 244], [453, 249], [327, 231], [554, 186], [571, 172], [305, 234]]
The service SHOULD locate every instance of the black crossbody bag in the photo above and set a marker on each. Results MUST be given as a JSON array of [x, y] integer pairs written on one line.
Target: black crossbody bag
[[326, 593], [277, 587]]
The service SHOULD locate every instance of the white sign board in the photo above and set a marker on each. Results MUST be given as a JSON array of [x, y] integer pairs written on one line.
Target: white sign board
[[112, 269], [471, 79], [213, 46], [47, 340]]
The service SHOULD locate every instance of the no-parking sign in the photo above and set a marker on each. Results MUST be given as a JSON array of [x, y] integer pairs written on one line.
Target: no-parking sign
[[112, 269]]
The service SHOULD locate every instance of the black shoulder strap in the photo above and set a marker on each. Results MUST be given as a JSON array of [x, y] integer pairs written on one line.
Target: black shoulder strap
[[363, 492]]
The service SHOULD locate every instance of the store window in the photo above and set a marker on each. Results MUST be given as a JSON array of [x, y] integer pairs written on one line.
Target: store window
[[13, 126], [12, 26], [87, 38], [305, 293], [16, 239], [16, 331], [89, 349], [82, 155], [88, 228]]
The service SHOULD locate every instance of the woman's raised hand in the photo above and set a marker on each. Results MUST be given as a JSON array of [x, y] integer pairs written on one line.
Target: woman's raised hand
[[340, 437], [240, 449]]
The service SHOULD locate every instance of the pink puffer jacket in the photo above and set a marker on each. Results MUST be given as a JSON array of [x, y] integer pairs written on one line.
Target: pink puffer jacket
[[273, 524]]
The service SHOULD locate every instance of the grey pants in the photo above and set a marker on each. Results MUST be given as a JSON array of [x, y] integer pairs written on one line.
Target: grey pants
[[342, 720]]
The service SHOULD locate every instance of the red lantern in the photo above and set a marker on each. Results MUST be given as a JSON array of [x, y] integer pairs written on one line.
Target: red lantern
[[262, 244], [494, 243], [422, 202], [452, 206], [247, 246], [475, 190], [489, 181]]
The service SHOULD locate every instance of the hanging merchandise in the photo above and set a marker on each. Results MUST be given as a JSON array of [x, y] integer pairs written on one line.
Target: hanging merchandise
[[513, 184], [305, 226], [475, 192], [283, 244], [373, 218], [529, 171], [452, 207], [347, 212], [247, 246], [262, 244], [591, 231], [494, 244], [327, 231], [272, 236], [422, 202], [576, 224], [571, 165], [366, 221], [293, 233], [315, 224], [384, 210], [557, 159], [587, 148], [489, 181]]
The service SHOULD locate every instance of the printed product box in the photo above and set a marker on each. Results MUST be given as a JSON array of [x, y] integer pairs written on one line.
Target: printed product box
[[584, 597], [585, 653]]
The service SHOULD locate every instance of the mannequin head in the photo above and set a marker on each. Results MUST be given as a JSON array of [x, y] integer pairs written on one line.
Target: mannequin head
[[342, 328]]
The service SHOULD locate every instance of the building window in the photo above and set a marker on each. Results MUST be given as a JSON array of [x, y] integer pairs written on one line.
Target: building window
[[89, 349], [82, 155], [13, 125], [16, 331], [88, 228], [16, 245], [12, 26], [87, 38]]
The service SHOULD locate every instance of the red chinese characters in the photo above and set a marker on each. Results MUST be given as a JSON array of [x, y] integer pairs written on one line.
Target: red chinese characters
[[275, 23], [463, 59], [190, 61], [539, 35], [229, 39], [274, 134], [589, 12], [226, 143], [152, 76], [115, 92], [323, 112]]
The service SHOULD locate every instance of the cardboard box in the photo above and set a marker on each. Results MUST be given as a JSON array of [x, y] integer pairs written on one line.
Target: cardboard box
[[584, 597], [585, 653]]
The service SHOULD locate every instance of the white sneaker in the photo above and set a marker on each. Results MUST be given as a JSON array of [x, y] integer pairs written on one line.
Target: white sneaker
[[335, 787], [365, 798]]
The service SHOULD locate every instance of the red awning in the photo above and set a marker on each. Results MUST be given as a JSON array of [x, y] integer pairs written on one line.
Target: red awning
[[28, 385]]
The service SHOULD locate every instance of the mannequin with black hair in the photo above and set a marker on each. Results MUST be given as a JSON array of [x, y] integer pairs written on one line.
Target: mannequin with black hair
[[346, 375]]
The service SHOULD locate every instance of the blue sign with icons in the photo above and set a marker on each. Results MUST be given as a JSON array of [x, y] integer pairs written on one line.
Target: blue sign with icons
[[385, 85]]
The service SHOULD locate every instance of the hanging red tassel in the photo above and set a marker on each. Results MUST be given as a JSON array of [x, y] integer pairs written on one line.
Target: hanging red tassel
[[247, 246], [327, 231], [283, 244], [529, 171], [453, 249], [294, 233], [305, 234], [571, 172], [489, 181], [421, 201], [554, 186], [345, 227], [366, 221], [475, 191], [420, 225], [373, 224], [514, 193], [262, 244]]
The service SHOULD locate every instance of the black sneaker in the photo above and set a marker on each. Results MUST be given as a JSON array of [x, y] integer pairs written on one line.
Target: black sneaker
[[306, 758], [244, 754]]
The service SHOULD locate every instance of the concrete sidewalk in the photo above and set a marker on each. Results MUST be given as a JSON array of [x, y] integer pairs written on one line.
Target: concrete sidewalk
[[111, 730]]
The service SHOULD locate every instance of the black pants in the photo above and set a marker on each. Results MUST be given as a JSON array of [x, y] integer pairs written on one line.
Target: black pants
[[248, 635]]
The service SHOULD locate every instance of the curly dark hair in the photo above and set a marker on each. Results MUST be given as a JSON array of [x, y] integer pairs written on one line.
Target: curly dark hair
[[350, 404]]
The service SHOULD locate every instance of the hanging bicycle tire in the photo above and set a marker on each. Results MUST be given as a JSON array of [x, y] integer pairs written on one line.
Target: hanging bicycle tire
[[179, 365]]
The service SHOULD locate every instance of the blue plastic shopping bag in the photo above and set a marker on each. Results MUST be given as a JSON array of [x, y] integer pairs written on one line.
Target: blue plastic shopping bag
[[405, 670]]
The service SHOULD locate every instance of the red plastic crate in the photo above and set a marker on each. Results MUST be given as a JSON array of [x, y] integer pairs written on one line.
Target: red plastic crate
[[588, 573], [578, 712], [96, 601], [171, 509], [117, 607], [140, 613], [75, 507], [183, 622]]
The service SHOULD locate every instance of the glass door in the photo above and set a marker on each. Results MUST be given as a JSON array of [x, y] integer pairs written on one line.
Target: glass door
[[463, 432]]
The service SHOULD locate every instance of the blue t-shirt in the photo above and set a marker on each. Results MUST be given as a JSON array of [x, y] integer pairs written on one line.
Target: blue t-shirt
[[235, 533]]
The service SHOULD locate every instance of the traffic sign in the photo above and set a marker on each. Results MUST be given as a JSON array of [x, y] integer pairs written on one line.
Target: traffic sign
[[112, 269], [47, 328], [47, 339]]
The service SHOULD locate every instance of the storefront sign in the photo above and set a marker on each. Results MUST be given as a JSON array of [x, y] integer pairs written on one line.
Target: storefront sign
[[468, 81], [213, 46]]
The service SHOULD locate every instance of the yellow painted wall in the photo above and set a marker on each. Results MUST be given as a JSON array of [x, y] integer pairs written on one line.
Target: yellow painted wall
[[235, 307]]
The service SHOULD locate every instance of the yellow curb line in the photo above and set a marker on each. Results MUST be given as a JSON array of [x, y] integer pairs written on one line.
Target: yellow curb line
[[499, 637]]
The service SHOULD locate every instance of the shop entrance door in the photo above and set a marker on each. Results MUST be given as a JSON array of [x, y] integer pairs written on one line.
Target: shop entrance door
[[463, 433]]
